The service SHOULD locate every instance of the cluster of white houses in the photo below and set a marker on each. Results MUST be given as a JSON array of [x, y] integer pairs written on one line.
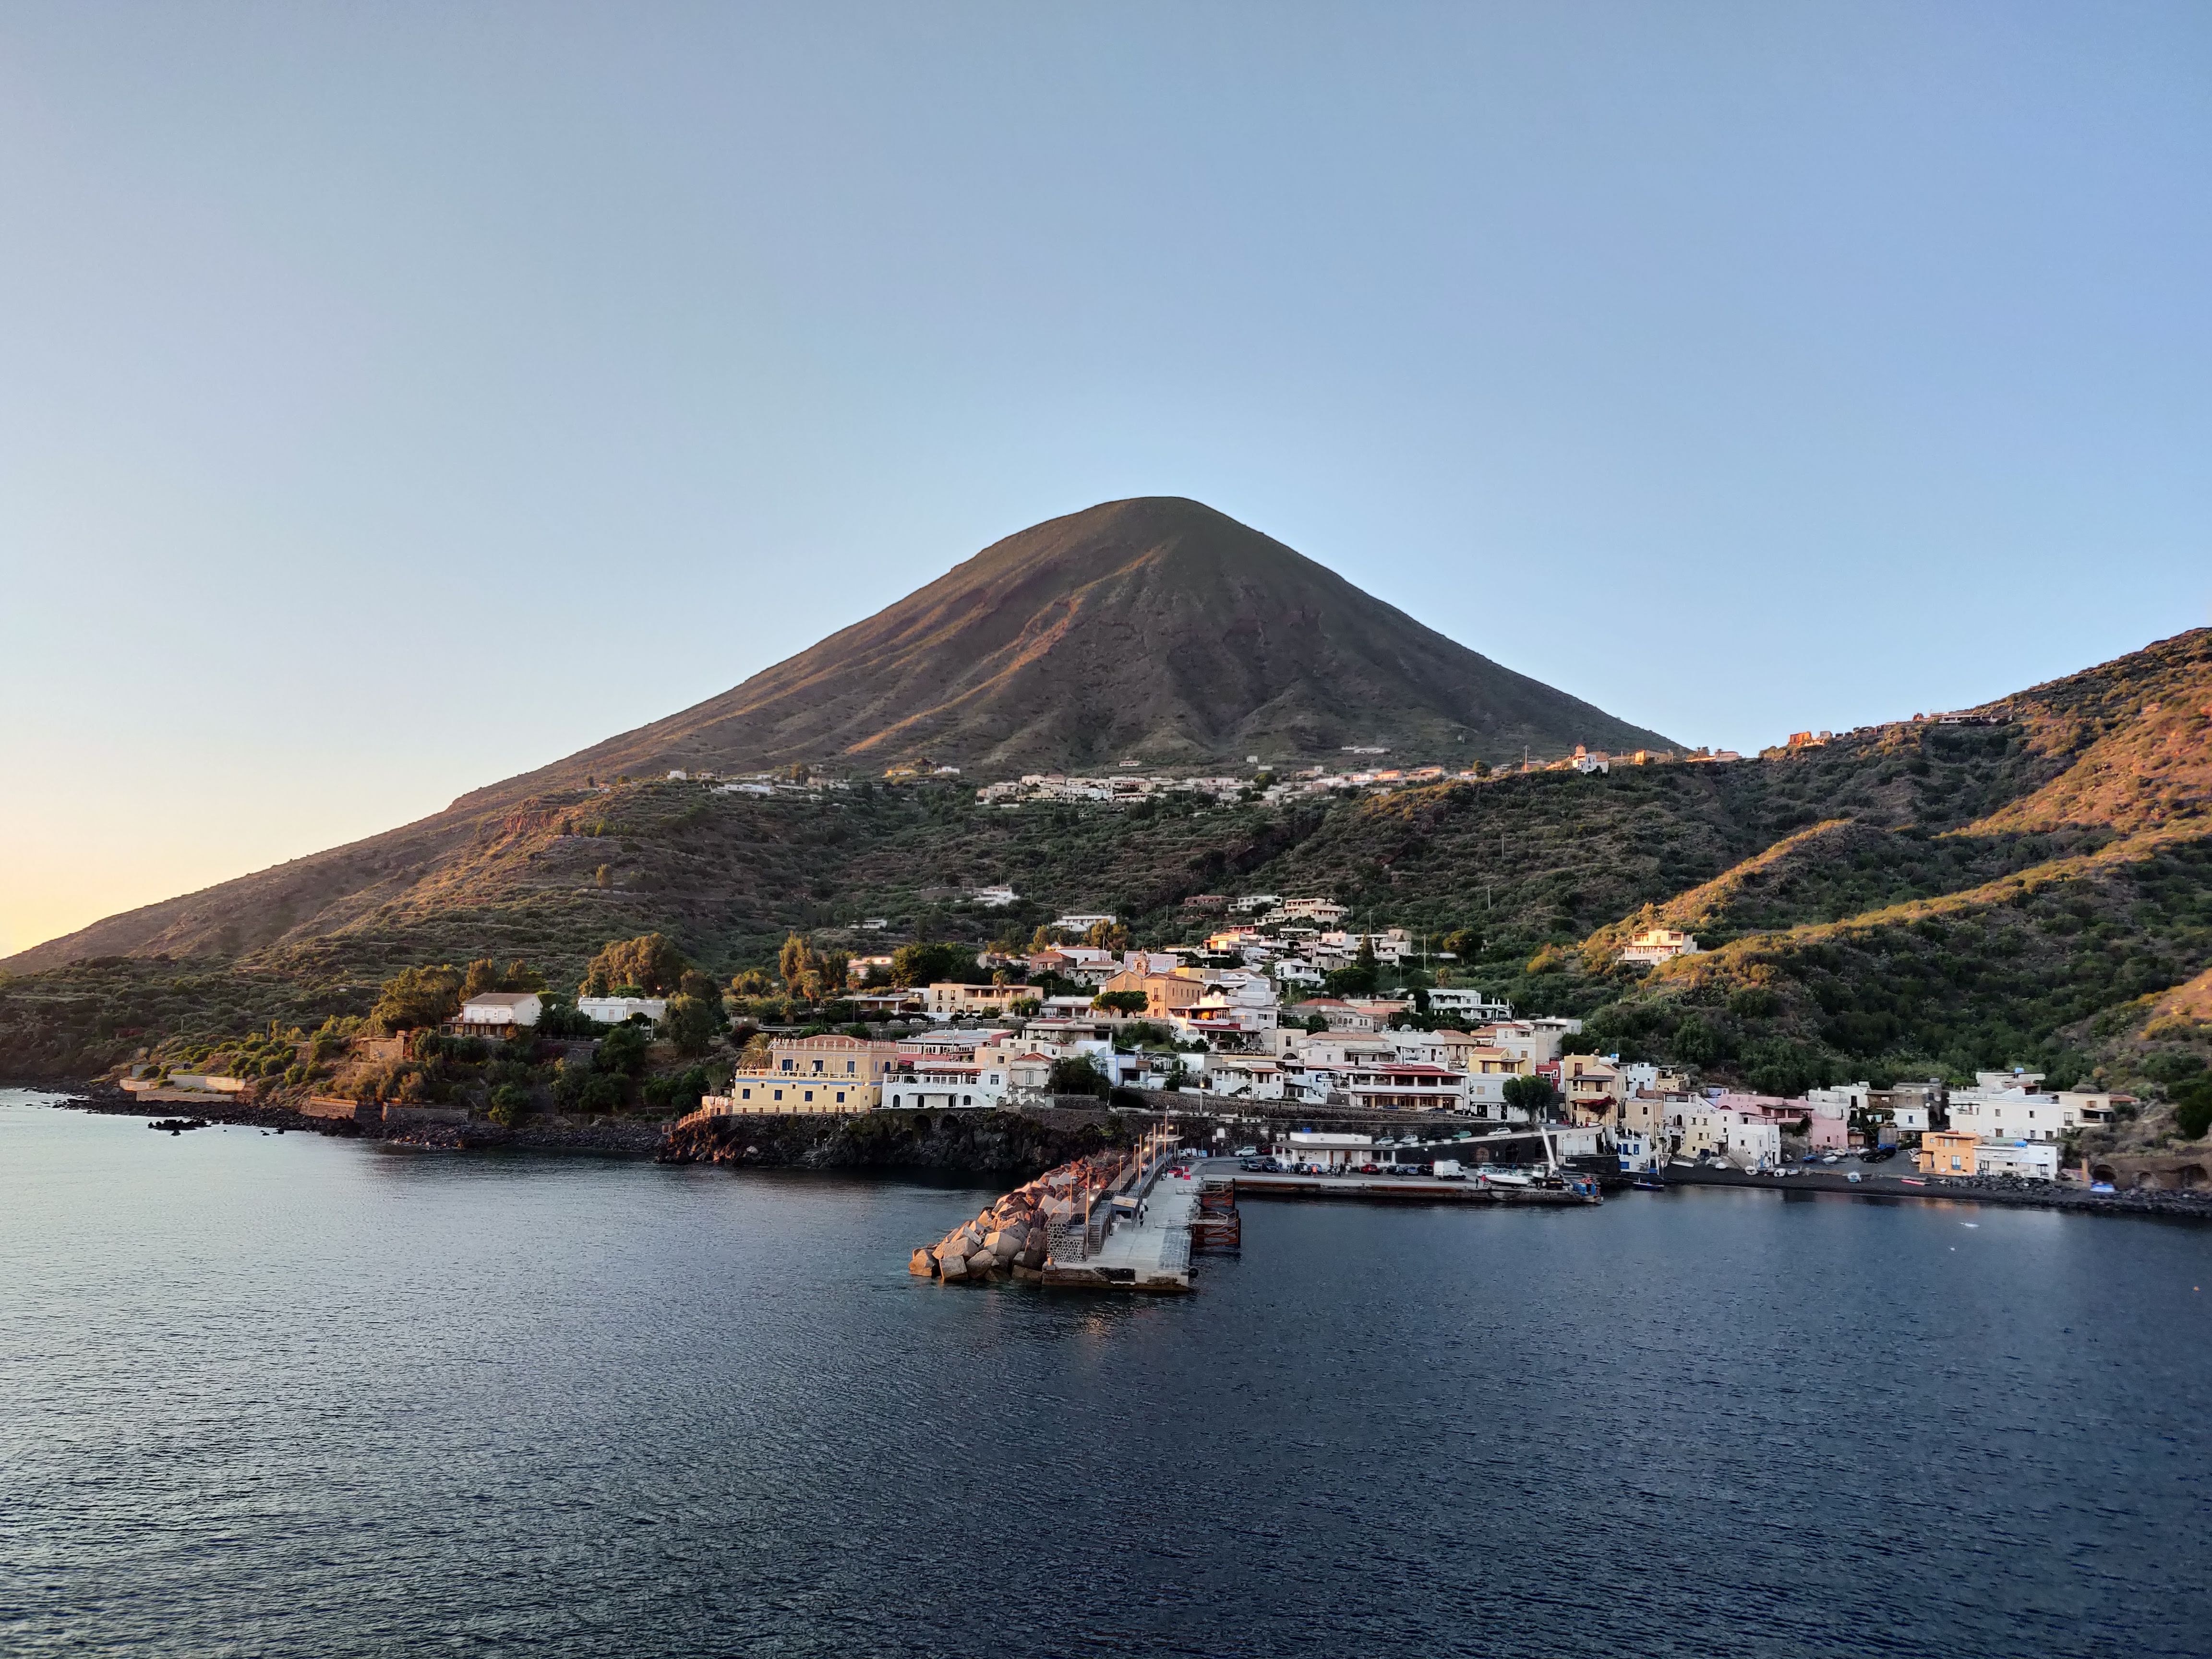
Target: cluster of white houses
[[1124, 787], [1233, 1021]]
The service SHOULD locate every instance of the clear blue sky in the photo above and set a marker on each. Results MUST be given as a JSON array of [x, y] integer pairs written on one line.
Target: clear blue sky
[[394, 397]]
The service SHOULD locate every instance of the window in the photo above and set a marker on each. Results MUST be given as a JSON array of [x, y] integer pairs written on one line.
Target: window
[[967, 1100], [810, 1095], [840, 1097], [748, 1094], [778, 1094]]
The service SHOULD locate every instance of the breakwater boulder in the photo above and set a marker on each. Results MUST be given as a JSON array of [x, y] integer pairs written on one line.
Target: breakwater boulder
[[1011, 1237]]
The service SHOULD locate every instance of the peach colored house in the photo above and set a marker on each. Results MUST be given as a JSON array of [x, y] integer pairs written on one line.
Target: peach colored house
[[1949, 1151]]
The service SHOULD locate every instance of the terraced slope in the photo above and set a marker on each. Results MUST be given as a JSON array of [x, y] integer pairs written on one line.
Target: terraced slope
[[1919, 898]]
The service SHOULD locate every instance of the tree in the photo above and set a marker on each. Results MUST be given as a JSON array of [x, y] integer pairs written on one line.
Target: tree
[[622, 1051], [1463, 943], [1106, 936], [922, 964], [650, 961], [751, 982], [1531, 1094], [415, 998], [1120, 1002], [793, 962], [484, 974], [1316, 1023], [692, 1024], [1076, 1075], [2192, 1109], [1356, 980]]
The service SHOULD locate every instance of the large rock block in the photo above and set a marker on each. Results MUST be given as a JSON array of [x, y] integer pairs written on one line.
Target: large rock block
[[949, 1267], [923, 1264]]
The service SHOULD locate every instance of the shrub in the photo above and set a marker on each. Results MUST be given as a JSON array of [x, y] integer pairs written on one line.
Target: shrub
[[510, 1105], [622, 1052], [2192, 1110]]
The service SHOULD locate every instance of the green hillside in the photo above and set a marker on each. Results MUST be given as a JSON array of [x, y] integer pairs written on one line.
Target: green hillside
[[1913, 898]]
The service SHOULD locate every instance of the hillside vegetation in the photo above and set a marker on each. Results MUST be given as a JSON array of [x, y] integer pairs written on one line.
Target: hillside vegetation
[[1915, 898]]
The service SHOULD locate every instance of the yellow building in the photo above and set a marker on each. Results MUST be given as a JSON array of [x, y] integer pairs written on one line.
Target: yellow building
[[1949, 1151], [768, 1094], [1592, 1087], [832, 1055], [1165, 994]]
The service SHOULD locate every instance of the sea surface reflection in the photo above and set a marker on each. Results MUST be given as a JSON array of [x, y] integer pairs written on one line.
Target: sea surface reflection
[[291, 1395]]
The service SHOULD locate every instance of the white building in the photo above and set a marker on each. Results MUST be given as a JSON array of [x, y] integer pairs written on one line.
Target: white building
[[618, 1010], [927, 1082], [994, 898], [1659, 945], [1244, 1077], [1082, 922], [1465, 1002], [2013, 1106], [1324, 911], [1754, 1145], [1304, 1148], [2036, 1159], [499, 1013]]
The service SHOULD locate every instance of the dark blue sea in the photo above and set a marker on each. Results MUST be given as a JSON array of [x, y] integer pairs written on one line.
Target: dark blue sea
[[288, 1396]]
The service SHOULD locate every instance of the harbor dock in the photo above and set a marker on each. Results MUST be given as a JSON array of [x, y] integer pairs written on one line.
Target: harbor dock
[[1421, 1190]]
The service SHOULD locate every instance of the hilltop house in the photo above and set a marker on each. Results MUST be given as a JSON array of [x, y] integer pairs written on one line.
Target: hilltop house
[[497, 1014], [618, 1011], [1659, 945]]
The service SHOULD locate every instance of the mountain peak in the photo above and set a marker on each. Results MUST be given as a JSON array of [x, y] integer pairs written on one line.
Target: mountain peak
[[1155, 627]]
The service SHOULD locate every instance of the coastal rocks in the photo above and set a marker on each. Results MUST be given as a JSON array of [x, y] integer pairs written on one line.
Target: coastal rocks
[[1012, 1238], [976, 1142]]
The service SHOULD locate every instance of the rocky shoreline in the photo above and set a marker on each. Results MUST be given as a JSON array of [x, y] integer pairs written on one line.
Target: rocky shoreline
[[607, 1137], [967, 1143], [980, 1144]]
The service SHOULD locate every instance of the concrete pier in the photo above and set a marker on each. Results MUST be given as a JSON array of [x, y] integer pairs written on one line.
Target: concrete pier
[[1147, 1250]]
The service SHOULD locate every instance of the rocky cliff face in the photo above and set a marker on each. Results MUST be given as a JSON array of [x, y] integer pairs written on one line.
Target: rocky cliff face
[[980, 1143]]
